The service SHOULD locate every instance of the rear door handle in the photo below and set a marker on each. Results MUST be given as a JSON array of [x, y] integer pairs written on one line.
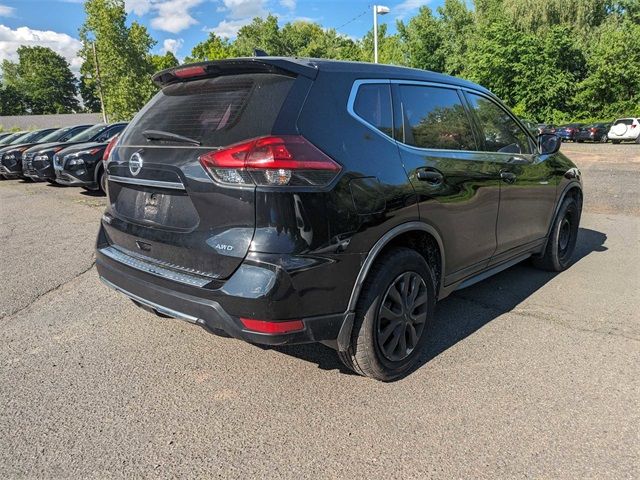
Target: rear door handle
[[430, 176], [508, 177]]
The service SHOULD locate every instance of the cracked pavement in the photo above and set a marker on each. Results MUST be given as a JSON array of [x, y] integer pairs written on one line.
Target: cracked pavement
[[527, 374]]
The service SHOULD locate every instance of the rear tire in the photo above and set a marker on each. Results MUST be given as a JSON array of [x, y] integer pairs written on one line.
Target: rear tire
[[392, 317], [558, 254], [615, 142]]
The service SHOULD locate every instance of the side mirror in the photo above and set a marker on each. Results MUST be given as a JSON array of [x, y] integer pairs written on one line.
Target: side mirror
[[548, 143]]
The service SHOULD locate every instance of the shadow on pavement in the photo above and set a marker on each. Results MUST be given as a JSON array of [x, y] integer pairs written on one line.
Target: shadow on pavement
[[481, 304]]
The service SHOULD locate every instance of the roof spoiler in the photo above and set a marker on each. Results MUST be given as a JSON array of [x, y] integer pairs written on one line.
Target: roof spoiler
[[236, 66]]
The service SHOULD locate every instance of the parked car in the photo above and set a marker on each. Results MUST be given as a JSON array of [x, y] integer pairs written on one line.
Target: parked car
[[4, 135], [288, 201], [568, 132], [625, 130], [11, 154], [12, 157], [596, 132], [37, 162], [81, 166]]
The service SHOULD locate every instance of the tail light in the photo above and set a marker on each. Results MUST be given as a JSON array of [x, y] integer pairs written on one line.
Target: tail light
[[593, 130], [287, 160], [189, 72], [107, 151]]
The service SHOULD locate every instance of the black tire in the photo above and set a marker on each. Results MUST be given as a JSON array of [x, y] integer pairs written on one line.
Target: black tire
[[51, 181], [558, 254], [615, 142], [102, 181], [377, 314], [580, 141], [604, 138], [638, 140]]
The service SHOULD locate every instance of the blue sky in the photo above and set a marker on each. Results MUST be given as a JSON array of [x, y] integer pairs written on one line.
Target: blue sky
[[178, 25]]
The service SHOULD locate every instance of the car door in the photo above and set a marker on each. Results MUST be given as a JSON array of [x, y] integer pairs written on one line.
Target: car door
[[457, 186], [528, 183]]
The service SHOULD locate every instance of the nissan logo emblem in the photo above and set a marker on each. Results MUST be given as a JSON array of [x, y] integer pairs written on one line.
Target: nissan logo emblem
[[135, 164]]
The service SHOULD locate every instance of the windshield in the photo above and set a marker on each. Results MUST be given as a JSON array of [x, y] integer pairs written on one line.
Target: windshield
[[55, 135], [88, 134], [24, 138], [7, 140]]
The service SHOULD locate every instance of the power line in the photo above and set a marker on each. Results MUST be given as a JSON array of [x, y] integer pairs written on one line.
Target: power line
[[354, 18]]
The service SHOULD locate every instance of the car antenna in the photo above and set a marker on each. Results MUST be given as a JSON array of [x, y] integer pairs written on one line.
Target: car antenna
[[257, 52]]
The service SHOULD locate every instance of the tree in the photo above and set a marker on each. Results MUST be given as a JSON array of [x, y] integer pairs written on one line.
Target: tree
[[213, 48], [43, 80], [162, 62], [123, 57], [11, 101], [90, 100], [260, 33], [423, 39]]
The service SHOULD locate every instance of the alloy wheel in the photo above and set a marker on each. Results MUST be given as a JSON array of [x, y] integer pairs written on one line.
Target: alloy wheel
[[402, 316]]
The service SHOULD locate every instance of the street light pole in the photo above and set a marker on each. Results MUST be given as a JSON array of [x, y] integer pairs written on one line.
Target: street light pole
[[377, 10]]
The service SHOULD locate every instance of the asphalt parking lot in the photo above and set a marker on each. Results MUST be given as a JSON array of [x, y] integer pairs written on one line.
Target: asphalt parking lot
[[530, 374]]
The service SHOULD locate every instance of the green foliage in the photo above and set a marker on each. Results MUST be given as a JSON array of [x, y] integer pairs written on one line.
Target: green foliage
[[123, 57], [162, 62], [213, 48], [11, 101], [41, 82]]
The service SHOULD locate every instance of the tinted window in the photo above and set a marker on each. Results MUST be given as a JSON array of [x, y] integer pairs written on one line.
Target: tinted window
[[88, 134], [435, 118], [114, 130], [624, 121], [215, 111], [501, 132], [373, 104]]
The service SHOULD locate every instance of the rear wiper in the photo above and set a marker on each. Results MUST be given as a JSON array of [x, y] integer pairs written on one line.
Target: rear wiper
[[173, 137]]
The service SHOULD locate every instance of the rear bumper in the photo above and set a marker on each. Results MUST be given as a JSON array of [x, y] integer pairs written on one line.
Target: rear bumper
[[281, 296]]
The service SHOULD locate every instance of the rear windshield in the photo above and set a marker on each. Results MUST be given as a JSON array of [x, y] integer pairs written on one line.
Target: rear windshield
[[624, 121], [214, 111]]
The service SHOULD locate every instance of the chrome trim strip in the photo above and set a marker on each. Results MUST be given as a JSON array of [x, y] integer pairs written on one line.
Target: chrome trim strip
[[146, 183], [158, 308], [153, 269]]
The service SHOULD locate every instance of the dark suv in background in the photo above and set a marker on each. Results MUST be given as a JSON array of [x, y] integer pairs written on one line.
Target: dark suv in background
[[287, 201], [81, 165], [11, 156], [37, 162]]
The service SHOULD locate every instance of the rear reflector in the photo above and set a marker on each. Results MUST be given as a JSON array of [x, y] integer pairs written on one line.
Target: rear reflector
[[189, 72], [286, 160], [272, 328]]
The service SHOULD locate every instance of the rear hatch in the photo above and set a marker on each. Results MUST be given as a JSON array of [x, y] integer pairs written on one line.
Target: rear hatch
[[163, 206]]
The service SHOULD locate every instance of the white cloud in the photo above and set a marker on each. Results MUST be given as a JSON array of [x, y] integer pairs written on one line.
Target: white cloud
[[61, 43], [290, 4], [170, 15], [172, 45], [408, 6], [229, 29], [139, 7], [244, 8], [7, 11]]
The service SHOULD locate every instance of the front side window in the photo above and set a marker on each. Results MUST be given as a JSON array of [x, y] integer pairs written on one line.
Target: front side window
[[373, 105], [435, 118], [501, 133]]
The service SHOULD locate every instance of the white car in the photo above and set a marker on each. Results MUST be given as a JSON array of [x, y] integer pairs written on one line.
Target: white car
[[625, 130]]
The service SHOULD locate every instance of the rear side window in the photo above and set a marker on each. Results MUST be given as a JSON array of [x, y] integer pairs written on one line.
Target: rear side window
[[373, 104], [501, 132], [215, 111], [435, 118]]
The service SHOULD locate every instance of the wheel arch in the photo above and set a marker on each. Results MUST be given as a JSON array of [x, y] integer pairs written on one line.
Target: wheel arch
[[420, 236]]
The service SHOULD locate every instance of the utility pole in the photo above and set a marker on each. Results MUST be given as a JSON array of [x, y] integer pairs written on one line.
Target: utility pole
[[377, 10], [99, 81]]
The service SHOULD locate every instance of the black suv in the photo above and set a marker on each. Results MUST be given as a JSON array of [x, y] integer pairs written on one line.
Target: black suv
[[81, 165], [37, 162], [10, 156], [287, 201]]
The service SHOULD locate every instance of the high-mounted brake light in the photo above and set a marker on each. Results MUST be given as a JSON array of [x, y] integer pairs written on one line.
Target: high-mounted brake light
[[188, 72], [107, 151], [286, 160], [272, 328]]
